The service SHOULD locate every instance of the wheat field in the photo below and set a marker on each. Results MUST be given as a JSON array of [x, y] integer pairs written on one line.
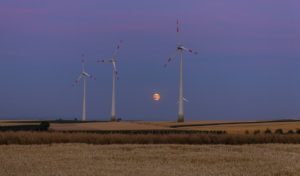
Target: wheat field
[[149, 160]]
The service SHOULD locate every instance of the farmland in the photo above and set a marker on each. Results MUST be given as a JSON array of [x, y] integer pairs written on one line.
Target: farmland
[[149, 160], [229, 128], [69, 148], [232, 127], [95, 132], [238, 128]]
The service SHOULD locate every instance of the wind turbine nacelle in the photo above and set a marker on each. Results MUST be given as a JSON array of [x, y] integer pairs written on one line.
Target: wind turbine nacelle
[[180, 48], [85, 74]]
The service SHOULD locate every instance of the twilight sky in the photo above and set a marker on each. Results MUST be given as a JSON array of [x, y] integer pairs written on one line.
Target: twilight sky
[[247, 67]]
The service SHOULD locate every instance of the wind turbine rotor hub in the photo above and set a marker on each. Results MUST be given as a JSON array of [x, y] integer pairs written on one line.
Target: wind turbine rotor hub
[[180, 48]]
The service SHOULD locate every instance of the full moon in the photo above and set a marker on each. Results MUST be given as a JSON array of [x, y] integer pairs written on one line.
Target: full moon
[[156, 96]]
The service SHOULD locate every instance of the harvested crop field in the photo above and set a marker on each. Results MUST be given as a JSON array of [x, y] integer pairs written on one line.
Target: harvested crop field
[[149, 160], [251, 127], [105, 126], [238, 128], [228, 126]]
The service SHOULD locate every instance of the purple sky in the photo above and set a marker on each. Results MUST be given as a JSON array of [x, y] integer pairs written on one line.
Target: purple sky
[[247, 67]]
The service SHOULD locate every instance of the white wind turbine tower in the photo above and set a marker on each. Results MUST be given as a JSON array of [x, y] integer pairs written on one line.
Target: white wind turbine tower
[[83, 76], [113, 61], [180, 49]]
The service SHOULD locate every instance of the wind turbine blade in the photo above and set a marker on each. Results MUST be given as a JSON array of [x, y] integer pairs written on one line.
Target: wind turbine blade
[[83, 62], [105, 61], [178, 32], [170, 59], [76, 82], [177, 26], [114, 66], [190, 50], [92, 77], [82, 58], [117, 47], [184, 99], [79, 77], [100, 61]]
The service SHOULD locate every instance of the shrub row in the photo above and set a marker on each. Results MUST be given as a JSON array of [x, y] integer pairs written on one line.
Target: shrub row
[[277, 131], [43, 126], [233, 123], [161, 132], [94, 138]]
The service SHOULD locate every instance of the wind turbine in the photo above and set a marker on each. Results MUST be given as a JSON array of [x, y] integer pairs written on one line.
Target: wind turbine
[[83, 76], [113, 61], [180, 49]]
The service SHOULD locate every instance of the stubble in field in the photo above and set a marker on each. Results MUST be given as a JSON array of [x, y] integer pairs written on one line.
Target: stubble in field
[[149, 160]]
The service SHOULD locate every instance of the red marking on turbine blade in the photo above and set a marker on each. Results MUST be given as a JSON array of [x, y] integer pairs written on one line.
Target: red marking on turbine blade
[[177, 25], [190, 50]]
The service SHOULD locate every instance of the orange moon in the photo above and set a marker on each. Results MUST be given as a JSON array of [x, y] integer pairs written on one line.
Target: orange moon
[[156, 96]]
